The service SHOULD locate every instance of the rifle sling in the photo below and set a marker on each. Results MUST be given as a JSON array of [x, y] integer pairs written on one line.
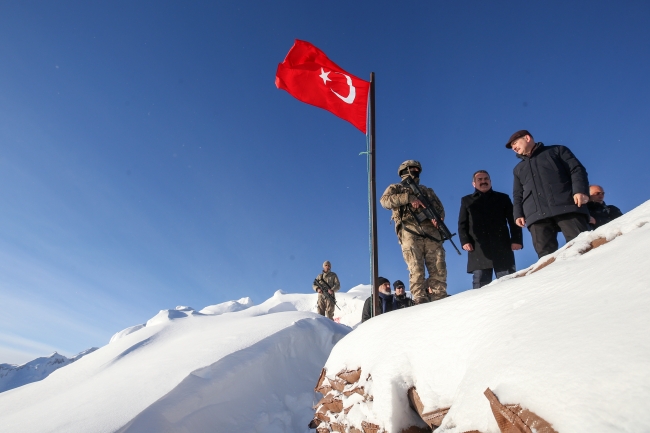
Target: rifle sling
[[322, 278], [321, 287], [421, 233]]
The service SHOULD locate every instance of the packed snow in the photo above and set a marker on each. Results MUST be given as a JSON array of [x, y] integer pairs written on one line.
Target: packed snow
[[235, 365], [565, 338]]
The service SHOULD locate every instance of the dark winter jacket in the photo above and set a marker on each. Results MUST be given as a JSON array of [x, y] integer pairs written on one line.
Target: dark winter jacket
[[402, 301], [385, 306], [483, 221], [545, 182], [602, 213]]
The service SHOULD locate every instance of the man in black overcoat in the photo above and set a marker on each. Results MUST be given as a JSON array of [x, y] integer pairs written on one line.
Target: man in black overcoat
[[549, 192], [487, 231]]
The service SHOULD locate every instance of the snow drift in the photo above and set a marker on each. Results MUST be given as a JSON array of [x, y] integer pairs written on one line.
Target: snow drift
[[234, 365], [565, 339]]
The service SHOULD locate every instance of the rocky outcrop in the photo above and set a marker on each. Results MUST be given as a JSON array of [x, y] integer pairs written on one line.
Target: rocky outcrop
[[344, 392], [342, 407]]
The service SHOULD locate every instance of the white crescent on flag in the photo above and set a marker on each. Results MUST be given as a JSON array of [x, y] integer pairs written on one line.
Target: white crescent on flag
[[353, 91]]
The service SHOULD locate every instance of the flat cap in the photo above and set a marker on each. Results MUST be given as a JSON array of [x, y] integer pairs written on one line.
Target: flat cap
[[516, 135]]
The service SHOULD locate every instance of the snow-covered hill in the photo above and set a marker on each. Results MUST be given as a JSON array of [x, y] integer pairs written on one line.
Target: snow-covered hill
[[13, 376], [234, 365], [566, 339]]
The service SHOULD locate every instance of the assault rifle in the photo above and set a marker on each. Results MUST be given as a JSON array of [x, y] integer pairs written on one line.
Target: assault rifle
[[325, 291], [429, 212]]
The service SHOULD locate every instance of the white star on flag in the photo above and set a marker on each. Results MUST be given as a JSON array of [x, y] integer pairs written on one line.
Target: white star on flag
[[324, 76]]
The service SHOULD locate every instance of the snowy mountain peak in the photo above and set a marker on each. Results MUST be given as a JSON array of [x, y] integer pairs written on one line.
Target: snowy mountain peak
[[13, 376]]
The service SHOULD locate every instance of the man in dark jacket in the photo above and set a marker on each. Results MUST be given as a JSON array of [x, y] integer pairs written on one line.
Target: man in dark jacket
[[385, 300], [400, 300], [600, 213], [487, 231], [549, 192]]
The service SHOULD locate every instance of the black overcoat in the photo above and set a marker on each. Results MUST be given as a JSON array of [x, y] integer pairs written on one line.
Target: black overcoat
[[486, 221], [602, 213], [545, 183]]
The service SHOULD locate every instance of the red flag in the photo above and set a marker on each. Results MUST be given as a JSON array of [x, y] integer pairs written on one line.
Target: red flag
[[309, 76]]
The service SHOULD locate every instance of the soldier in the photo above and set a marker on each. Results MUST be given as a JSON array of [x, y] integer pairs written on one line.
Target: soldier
[[330, 281], [421, 242]]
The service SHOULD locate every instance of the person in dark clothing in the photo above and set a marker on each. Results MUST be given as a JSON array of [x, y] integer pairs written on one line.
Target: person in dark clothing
[[487, 231], [549, 192], [599, 212], [385, 300], [400, 300]]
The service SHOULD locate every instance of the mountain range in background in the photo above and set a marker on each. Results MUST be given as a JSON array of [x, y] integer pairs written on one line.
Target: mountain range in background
[[12, 376]]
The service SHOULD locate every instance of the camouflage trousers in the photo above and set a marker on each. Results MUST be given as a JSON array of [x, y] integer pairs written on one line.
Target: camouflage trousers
[[420, 252], [325, 306]]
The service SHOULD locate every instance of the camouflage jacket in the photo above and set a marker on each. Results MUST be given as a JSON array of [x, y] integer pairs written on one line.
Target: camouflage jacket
[[330, 278], [398, 197]]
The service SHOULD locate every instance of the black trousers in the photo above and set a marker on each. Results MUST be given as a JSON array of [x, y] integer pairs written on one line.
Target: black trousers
[[482, 277], [544, 232]]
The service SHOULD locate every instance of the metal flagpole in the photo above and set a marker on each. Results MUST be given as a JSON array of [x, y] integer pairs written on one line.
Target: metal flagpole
[[373, 200]]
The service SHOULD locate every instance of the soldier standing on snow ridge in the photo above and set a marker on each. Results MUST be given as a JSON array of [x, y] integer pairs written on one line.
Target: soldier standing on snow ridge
[[421, 242], [330, 281]]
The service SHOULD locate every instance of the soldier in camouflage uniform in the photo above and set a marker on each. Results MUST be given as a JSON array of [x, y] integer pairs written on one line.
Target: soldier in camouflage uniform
[[421, 242], [331, 280]]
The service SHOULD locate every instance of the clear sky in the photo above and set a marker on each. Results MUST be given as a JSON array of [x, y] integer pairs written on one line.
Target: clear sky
[[147, 159]]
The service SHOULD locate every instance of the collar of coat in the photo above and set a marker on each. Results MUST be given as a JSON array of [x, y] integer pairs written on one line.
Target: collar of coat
[[478, 193], [538, 148]]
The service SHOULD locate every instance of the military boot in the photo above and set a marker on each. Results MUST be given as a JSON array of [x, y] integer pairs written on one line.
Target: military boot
[[421, 300], [440, 292]]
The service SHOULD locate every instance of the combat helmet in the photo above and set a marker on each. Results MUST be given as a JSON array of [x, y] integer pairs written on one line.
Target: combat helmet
[[406, 164]]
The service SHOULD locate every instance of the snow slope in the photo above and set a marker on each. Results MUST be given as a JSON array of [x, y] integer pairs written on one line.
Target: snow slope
[[13, 376], [566, 338], [234, 365]]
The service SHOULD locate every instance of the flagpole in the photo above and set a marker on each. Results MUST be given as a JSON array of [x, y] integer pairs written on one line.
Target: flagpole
[[373, 200]]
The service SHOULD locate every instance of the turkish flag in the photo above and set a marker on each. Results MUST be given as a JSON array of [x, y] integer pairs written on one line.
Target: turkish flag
[[309, 76]]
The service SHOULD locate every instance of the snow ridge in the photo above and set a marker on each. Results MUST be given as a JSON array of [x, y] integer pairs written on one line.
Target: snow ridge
[[235, 365]]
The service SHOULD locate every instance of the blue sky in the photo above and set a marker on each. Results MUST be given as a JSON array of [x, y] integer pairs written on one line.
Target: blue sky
[[148, 161]]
